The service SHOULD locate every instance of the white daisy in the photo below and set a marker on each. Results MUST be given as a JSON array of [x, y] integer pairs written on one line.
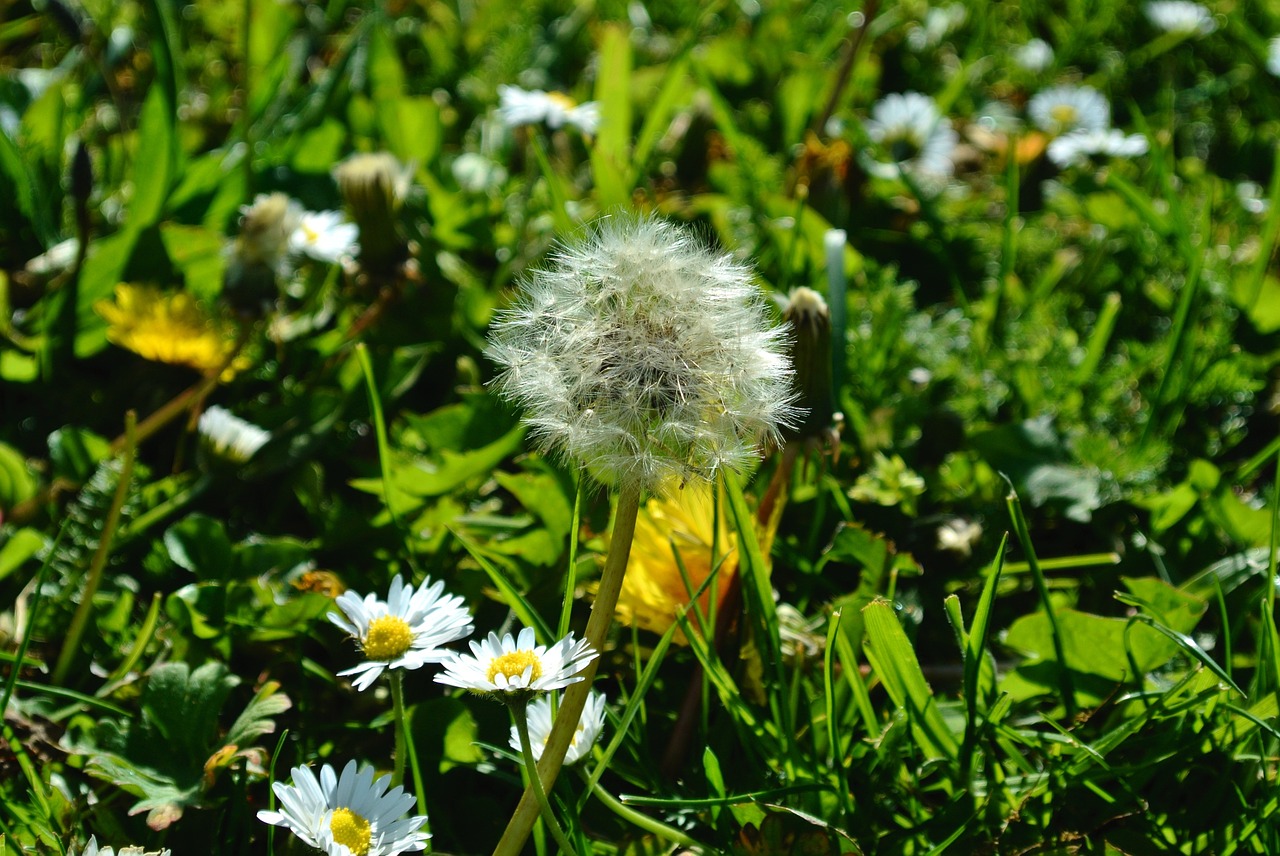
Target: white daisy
[[1062, 109], [325, 236], [509, 665], [92, 849], [539, 716], [918, 139], [959, 536], [939, 22], [1035, 56], [1078, 146], [1273, 56], [406, 631], [229, 437], [1180, 16], [265, 227], [347, 815], [518, 106]]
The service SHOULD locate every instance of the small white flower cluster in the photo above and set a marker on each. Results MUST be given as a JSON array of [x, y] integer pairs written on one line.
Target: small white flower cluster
[[518, 107], [352, 814], [1079, 117], [917, 138], [1180, 16]]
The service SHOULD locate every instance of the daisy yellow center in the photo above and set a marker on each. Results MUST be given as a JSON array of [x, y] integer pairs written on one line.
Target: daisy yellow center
[[310, 234], [1063, 114], [513, 663], [351, 830], [389, 637], [563, 100]]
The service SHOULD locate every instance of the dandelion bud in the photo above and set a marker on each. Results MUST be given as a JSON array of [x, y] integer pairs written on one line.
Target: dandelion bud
[[810, 321], [81, 176], [260, 252], [374, 187], [645, 356]]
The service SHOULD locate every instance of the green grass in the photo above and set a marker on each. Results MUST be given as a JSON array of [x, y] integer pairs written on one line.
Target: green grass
[[1083, 361]]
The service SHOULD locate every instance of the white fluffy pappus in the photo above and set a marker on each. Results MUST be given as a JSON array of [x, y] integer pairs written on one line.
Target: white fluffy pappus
[[644, 355]]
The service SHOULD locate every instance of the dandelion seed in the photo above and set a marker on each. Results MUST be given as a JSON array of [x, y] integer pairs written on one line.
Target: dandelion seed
[[645, 356], [406, 631], [348, 815]]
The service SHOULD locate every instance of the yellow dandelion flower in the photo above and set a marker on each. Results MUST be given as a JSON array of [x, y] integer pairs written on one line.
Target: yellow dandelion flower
[[654, 588], [170, 328]]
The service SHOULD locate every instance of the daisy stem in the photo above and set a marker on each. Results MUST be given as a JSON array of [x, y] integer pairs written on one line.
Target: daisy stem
[[575, 697], [519, 712], [397, 706]]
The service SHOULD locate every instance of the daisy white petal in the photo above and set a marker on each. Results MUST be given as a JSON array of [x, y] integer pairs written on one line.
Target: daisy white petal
[[540, 720], [517, 664], [518, 106], [1180, 16], [1079, 146], [1062, 109], [917, 138], [1035, 56], [228, 437], [405, 631], [347, 815], [325, 236]]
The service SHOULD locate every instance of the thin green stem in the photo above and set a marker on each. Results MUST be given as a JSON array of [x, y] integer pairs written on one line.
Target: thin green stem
[[397, 706], [575, 697], [643, 821], [519, 712], [99, 562]]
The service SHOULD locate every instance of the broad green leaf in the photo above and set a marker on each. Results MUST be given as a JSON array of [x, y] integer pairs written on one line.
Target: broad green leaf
[[411, 127], [153, 161], [417, 476], [76, 452], [199, 543], [16, 482]]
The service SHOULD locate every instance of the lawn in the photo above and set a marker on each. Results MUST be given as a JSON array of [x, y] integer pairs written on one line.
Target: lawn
[[793, 428]]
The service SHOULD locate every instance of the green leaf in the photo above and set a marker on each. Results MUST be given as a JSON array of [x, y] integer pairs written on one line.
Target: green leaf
[[199, 543], [19, 547], [894, 661], [170, 754], [153, 162], [76, 453], [610, 154], [16, 483], [411, 126]]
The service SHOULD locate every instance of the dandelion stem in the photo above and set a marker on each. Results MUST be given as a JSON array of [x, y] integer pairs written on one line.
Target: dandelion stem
[[81, 618], [575, 697], [519, 712], [397, 707]]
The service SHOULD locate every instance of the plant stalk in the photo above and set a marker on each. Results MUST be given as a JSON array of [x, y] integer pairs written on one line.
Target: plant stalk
[[397, 706], [519, 712], [81, 618], [575, 697]]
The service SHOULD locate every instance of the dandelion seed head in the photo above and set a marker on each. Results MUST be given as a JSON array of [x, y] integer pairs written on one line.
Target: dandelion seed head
[[645, 355]]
